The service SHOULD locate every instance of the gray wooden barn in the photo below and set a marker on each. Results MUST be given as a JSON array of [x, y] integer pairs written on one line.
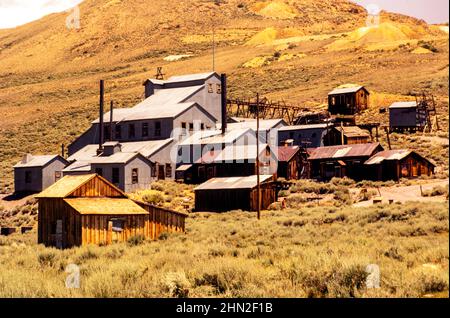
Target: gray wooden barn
[[407, 116], [36, 173]]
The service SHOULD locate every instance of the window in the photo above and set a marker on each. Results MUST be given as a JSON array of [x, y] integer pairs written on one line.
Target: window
[[219, 89], [202, 126], [333, 101], [135, 176], [153, 170], [183, 129], [118, 132], [115, 175], [106, 132], [99, 171], [168, 170], [210, 88], [58, 175], [131, 131], [291, 135], [158, 128], [117, 225], [27, 176], [191, 126], [145, 130]]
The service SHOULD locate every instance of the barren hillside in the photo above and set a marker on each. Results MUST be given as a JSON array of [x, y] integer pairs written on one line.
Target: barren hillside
[[294, 50]]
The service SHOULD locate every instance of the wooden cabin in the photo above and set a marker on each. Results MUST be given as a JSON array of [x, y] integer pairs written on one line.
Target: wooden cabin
[[341, 161], [88, 209], [348, 101], [347, 135], [289, 162], [397, 164], [227, 194], [407, 116]]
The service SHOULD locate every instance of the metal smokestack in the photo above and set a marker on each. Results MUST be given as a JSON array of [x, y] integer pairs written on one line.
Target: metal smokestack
[[101, 127], [223, 80]]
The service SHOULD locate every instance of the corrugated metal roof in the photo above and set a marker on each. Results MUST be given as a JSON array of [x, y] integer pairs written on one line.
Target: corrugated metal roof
[[231, 153], [215, 137], [145, 148], [118, 157], [105, 206], [36, 161], [403, 105], [183, 168], [233, 183], [345, 90], [65, 186], [305, 127], [352, 131], [285, 154], [189, 77], [343, 151], [398, 154], [264, 124], [78, 166], [152, 112]]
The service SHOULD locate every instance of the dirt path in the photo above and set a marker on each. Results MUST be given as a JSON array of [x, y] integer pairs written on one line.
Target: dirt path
[[407, 193]]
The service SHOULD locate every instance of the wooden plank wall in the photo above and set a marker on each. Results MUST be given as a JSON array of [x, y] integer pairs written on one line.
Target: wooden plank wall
[[96, 188]]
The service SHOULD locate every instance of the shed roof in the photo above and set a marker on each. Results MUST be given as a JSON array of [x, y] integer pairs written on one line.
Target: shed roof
[[78, 166], [403, 105], [397, 154], [305, 127], [286, 153], [105, 206], [343, 151], [352, 131], [118, 157], [38, 161], [69, 184], [233, 183], [347, 90]]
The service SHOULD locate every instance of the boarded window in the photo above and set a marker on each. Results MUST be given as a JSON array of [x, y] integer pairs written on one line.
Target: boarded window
[[27, 176], [158, 128], [153, 170], [210, 88], [168, 170], [118, 132], [131, 131], [115, 175], [58, 175], [145, 130], [135, 176]]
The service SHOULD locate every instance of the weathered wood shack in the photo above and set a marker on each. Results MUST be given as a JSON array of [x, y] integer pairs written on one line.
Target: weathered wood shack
[[341, 161], [348, 101], [289, 162], [407, 116], [226, 194], [87, 209], [396, 164], [346, 135]]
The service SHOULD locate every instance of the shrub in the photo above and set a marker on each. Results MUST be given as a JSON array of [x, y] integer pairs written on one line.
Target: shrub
[[136, 240], [436, 191], [177, 284], [47, 258], [153, 198]]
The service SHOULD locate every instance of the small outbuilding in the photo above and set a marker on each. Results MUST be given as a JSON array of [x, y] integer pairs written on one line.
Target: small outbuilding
[[341, 161], [289, 162], [36, 173], [234, 193], [88, 209], [407, 116], [348, 100], [306, 136], [347, 135], [396, 164]]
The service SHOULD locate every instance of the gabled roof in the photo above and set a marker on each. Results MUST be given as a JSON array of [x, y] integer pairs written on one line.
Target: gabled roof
[[190, 77], [233, 183], [39, 161], [264, 124], [347, 90], [344, 151], [151, 112], [68, 184], [285, 154], [206, 137], [105, 206], [403, 105], [397, 154]]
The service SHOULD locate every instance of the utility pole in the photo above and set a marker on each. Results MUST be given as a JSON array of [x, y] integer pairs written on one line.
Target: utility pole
[[258, 195], [111, 109]]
